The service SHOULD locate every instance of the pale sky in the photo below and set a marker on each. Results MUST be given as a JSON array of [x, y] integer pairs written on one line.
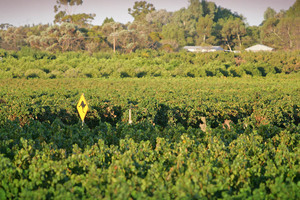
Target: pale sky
[[23, 12]]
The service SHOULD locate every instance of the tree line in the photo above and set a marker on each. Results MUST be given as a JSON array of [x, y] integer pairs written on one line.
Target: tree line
[[201, 23]]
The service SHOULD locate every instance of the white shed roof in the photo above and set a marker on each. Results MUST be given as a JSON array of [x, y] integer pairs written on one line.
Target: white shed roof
[[259, 47], [203, 48]]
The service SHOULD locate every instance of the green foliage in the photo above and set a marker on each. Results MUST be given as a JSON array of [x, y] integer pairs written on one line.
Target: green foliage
[[29, 63], [63, 14], [140, 10], [293, 11], [201, 23], [280, 29], [206, 134], [269, 13], [45, 152]]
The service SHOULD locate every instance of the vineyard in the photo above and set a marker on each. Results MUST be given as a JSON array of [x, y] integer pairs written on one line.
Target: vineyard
[[191, 138], [160, 122]]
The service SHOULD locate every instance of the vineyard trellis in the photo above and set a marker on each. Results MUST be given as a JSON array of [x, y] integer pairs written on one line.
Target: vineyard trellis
[[249, 148]]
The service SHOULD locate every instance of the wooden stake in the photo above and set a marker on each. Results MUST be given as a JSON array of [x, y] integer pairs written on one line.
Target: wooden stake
[[130, 121]]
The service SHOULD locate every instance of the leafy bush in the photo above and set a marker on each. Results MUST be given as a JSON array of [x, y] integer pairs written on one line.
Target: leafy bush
[[156, 63], [35, 73]]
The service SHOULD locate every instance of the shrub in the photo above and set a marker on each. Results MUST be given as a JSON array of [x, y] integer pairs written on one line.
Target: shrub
[[251, 69], [236, 71], [35, 73], [72, 73]]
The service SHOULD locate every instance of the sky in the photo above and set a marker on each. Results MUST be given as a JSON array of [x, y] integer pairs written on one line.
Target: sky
[[29, 12]]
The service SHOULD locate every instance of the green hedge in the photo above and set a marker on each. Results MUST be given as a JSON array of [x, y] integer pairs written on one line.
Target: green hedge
[[35, 64]]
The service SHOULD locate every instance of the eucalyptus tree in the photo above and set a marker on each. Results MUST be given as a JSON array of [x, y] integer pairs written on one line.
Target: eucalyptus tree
[[66, 37], [173, 32], [183, 26], [269, 13], [233, 29], [196, 21], [204, 28], [81, 19], [294, 10], [14, 37], [239, 30], [282, 30], [142, 32], [129, 40], [289, 31], [157, 19], [64, 8], [95, 40], [282, 33], [65, 13], [140, 10], [108, 20], [270, 34], [252, 36]]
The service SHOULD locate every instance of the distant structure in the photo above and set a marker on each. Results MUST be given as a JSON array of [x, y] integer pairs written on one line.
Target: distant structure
[[203, 48], [259, 47]]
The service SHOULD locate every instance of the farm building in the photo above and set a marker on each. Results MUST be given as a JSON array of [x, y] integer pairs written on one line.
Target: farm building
[[203, 48], [259, 47]]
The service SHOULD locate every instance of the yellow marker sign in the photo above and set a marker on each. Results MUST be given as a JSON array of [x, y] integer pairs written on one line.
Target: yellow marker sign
[[82, 107]]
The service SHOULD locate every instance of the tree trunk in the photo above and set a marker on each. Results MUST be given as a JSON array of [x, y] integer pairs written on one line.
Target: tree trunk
[[114, 27], [227, 43], [114, 43], [240, 42], [290, 39]]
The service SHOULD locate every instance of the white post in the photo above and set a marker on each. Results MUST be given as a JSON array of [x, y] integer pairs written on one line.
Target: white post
[[130, 121]]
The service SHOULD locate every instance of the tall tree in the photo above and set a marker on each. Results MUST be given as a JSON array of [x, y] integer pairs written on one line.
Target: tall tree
[[67, 4], [232, 32], [157, 19], [66, 37], [209, 8], [294, 10], [108, 20], [140, 10], [82, 19], [227, 33], [239, 30], [64, 13], [130, 40], [252, 36], [200, 21], [224, 14], [64, 8], [185, 20], [204, 28], [14, 38], [173, 32], [269, 33], [289, 31], [95, 39], [269, 13], [196, 9]]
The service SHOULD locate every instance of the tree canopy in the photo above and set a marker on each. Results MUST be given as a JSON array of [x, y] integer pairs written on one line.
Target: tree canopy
[[140, 10], [200, 23], [64, 13]]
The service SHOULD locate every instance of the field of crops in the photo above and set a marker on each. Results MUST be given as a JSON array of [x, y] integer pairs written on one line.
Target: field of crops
[[191, 138]]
